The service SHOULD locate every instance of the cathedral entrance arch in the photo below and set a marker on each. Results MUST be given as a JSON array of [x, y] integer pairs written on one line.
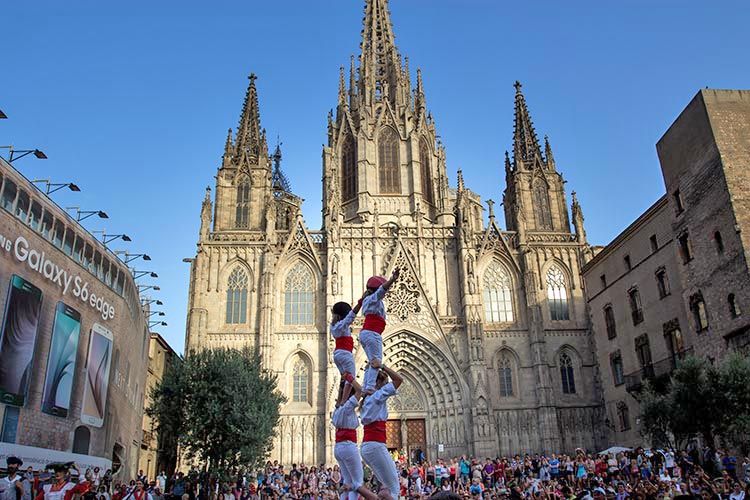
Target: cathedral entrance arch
[[432, 407]]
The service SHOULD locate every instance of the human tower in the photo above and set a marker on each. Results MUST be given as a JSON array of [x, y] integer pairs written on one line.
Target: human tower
[[379, 383]]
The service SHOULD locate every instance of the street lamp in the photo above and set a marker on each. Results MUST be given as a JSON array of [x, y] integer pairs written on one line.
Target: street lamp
[[160, 313], [143, 288], [55, 186], [24, 152], [3, 116], [141, 274], [148, 302], [130, 257], [155, 323], [109, 238], [82, 215], [187, 260]]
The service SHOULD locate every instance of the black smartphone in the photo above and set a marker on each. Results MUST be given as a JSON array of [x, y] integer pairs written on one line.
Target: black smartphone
[[17, 340]]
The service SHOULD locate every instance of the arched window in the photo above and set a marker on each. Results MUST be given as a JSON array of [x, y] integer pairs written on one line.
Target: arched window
[[237, 296], [241, 219], [623, 415], [81, 439], [388, 161], [557, 294], [348, 169], [566, 374], [300, 376], [498, 301], [299, 296], [424, 161], [505, 366], [541, 206], [698, 309]]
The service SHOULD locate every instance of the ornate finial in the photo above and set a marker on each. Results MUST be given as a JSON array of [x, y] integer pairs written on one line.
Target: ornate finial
[[342, 86], [491, 208], [252, 77], [548, 156], [208, 193], [517, 86], [460, 176]]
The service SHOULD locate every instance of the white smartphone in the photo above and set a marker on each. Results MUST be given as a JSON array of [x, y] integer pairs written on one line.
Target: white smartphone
[[96, 384]]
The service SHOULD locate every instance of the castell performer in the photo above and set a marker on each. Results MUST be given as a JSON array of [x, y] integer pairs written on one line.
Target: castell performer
[[374, 414], [371, 335], [341, 330], [61, 488], [346, 451], [14, 486]]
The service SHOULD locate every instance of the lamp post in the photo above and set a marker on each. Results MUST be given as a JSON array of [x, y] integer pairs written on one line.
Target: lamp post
[[82, 215], [130, 257], [160, 313], [52, 187], [143, 288], [147, 302], [151, 324], [109, 238], [140, 274], [23, 152]]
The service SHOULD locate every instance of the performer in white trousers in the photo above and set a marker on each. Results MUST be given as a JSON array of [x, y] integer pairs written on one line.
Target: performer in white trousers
[[346, 450], [342, 316], [374, 414], [371, 335]]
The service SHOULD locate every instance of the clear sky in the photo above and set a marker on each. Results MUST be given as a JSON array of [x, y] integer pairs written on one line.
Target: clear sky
[[132, 100]]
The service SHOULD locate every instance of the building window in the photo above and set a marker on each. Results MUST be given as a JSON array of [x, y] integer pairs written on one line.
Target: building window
[[300, 376], [603, 280], [424, 161], [698, 310], [10, 422], [719, 242], [675, 343], [237, 297], [636, 310], [298, 296], [9, 195], [615, 362], [566, 374], [643, 352], [685, 248], [734, 307], [623, 415], [242, 214], [557, 294], [506, 375], [81, 440], [654, 243], [498, 299], [677, 197], [609, 321], [22, 205], [388, 161], [662, 282], [348, 169], [541, 206], [628, 265]]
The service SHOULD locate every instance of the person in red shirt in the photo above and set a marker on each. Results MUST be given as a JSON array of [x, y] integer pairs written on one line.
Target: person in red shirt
[[61, 488]]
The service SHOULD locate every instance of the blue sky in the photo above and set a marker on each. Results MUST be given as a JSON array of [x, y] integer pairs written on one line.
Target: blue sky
[[132, 100]]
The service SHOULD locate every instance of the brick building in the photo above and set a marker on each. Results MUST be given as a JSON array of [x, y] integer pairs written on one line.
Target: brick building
[[676, 281]]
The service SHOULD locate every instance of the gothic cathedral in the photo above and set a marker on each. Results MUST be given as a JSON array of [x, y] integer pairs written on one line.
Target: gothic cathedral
[[488, 326]]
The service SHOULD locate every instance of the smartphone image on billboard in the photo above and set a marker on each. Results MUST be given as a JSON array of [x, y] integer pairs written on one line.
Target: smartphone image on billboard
[[97, 376], [61, 362], [17, 340]]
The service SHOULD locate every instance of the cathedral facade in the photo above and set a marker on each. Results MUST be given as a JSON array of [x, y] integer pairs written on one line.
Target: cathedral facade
[[489, 326]]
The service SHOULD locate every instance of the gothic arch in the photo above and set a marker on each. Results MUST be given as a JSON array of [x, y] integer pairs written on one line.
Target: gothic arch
[[230, 265], [316, 284], [566, 350], [506, 358], [498, 288], [389, 161], [299, 362]]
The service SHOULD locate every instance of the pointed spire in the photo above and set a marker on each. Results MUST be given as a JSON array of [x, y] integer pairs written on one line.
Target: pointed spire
[[577, 212], [205, 215], [548, 156], [380, 65], [342, 87], [508, 166], [491, 209], [250, 136], [279, 181], [460, 176], [228, 148], [525, 143]]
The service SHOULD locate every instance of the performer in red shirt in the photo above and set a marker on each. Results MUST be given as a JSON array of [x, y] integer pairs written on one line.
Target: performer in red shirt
[[61, 488]]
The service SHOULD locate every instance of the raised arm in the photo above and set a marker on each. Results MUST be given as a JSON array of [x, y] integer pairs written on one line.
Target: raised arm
[[356, 388], [396, 379], [357, 306], [345, 393], [390, 282]]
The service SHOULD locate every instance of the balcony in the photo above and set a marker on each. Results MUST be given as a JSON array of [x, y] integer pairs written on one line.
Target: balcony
[[657, 372]]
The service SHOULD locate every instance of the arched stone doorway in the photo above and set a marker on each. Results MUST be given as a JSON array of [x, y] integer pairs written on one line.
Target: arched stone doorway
[[433, 407], [407, 421]]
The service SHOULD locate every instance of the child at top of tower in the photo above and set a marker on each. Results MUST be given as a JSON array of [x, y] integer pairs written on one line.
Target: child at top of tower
[[371, 335], [342, 316]]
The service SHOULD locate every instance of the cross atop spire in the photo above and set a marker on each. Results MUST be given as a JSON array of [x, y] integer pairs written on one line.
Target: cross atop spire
[[525, 142], [250, 136]]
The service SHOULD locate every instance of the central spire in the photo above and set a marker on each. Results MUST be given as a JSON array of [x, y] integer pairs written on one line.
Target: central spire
[[251, 138], [525, 142], [380, 62]]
